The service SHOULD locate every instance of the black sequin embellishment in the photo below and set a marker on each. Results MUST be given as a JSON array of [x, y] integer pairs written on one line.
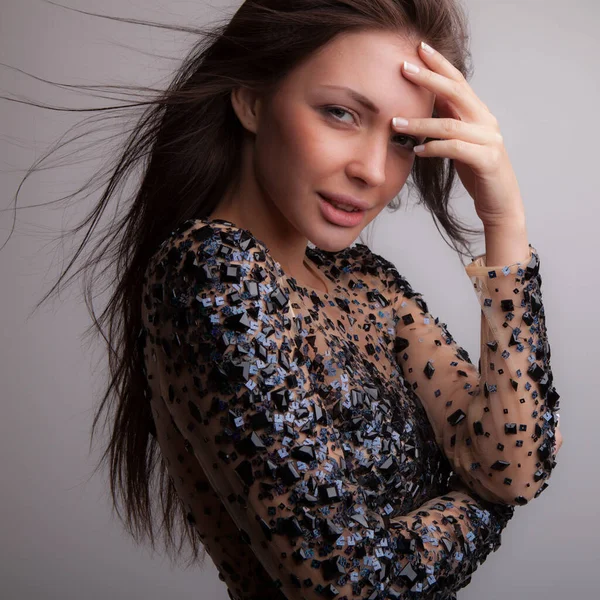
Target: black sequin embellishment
[[342, 444]]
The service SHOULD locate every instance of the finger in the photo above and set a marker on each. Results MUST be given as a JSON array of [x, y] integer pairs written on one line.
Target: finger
[[483, 158], [444, 79], [460, 94], [439, 63], [448, 129]]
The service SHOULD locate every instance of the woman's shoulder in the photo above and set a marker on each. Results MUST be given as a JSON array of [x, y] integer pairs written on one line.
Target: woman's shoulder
[[202, 240], [203, 258], [202, 232]]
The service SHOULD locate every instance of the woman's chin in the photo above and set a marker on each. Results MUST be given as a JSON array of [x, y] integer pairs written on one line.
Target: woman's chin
[[332, 241]]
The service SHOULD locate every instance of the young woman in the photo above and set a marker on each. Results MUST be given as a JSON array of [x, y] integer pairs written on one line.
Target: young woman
[[323, 435]]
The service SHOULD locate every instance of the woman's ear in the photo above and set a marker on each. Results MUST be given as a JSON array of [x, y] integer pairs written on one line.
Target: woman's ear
[[246, 104]]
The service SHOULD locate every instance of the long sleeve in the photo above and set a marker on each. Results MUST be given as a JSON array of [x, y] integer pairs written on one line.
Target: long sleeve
[[496, 423], [237, 565], [226, 351]]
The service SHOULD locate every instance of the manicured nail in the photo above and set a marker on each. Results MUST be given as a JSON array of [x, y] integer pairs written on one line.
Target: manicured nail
[[399, 122], [427, 48], [410, 67], [419, 148]]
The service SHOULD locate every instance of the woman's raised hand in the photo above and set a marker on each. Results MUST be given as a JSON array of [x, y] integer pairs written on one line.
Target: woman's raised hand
[[468, 133]]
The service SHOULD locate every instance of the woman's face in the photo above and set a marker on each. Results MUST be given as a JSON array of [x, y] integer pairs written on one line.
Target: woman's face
[[313, 136]]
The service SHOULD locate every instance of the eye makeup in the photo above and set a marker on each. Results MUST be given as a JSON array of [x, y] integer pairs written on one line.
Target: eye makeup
[[330, 109]]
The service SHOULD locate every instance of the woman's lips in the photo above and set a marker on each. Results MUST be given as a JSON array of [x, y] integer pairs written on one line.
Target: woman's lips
[[346, 200], [340, 217]]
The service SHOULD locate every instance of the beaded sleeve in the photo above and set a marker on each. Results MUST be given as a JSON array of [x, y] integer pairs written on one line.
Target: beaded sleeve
[[496, 423]]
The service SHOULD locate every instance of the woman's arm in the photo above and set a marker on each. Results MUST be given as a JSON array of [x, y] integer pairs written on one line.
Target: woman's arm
[[472, 526], [496, 423], [221, 348], [238, 567]]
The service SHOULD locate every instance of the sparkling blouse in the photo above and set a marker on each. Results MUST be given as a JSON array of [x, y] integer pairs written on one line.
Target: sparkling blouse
[[342, 444]]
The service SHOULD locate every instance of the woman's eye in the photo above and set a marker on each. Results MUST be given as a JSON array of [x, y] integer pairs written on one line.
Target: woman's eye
[[330, 110], [414, 142]]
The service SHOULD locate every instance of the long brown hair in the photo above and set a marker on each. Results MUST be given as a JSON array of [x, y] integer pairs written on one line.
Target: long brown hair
[[186, 143]]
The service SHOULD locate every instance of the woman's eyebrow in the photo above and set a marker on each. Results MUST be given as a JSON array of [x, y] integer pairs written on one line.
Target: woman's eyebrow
[[356, 96]]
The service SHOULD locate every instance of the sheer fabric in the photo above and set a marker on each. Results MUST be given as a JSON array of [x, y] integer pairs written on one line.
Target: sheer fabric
[[341, 444]]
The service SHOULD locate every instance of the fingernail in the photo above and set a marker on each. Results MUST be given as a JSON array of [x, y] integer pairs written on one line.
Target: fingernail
[[427, 48], [410, 67], [419, 148], [399, 122]]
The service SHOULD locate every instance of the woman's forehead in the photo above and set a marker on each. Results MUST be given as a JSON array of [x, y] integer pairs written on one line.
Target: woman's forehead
[[367, 64]]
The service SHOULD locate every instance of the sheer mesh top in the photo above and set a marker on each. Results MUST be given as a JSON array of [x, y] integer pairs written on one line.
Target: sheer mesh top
[[341, 444]]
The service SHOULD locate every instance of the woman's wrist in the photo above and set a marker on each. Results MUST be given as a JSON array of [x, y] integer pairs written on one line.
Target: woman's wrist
[[506, 244]]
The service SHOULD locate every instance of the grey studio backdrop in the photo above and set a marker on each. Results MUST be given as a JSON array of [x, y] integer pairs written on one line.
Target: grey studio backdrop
[[536, 67]]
